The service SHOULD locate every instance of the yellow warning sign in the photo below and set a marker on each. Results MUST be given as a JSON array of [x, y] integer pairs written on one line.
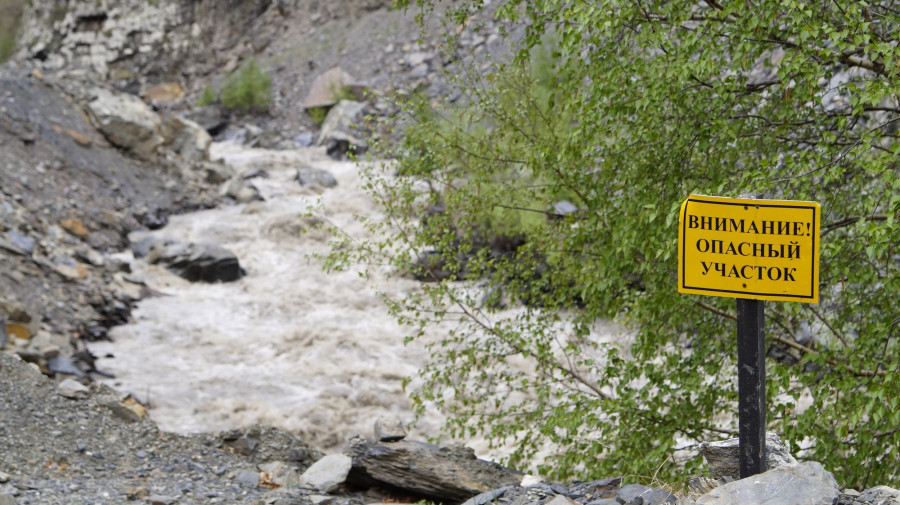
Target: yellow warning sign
[[744, 248]]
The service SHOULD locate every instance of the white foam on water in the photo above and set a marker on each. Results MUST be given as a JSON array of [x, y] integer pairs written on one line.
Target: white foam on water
[[315, 353], [289, 344]]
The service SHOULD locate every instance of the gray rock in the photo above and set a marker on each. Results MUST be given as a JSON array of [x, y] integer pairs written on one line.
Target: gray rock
[[126, 121], [636, 494], [241, 191], [312, 175], [187, 138], [9, 246], [561, 500], [20, 240], [806, 483], [247, 478], [304, 139], [389, 429], [217, 172], [327, 88], [338, 133], [157, 499], [141, 248], [281, 473], [880, 495], [196, 262], [6, 499], [73, 389], [723, 457], [486, 497], [605, 501], [327, 474], [563, 208], [445, 473], [64, 365]]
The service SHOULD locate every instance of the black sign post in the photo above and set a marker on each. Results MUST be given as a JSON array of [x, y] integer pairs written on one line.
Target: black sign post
[[751, 386], [737, 248]]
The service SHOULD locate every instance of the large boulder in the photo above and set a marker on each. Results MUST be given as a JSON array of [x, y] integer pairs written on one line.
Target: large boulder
[[723, 457], [187, 138], [329, 87], [441, 473], [327, 474], [339, 130], [192, 261], [126, 121], [807, 483]]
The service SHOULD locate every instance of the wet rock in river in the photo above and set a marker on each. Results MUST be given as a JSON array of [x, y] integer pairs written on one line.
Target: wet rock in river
[[192, 261], [311, 175]]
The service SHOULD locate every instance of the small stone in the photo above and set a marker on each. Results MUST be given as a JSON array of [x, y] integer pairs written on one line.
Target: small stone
[[531, 480], [4, 477], [6, 499], [128, 409], [281, 474], [247, 478], [561, 500], [161, 500], [311, 175], [64, 365], [389, 429], [137, 493], [165, 93], [72, 272], [723, 458], [75, 227], [71, 388], [241, 191], [20, 240], [79, 138], [327, 474]]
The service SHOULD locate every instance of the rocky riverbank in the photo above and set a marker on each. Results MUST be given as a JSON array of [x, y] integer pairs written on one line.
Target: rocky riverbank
[[100, 145]]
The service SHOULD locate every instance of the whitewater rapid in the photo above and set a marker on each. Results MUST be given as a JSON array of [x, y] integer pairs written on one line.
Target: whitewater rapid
[[289, 344]]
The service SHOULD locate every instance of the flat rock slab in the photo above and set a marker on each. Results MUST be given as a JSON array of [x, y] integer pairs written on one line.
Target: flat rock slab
[[807, 483], [442, 473]]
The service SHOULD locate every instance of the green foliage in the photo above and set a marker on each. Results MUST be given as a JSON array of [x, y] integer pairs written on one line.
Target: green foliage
[[317, 114], [208, 96], [647, 103], [248, 89], [337, 93], [10, 19]]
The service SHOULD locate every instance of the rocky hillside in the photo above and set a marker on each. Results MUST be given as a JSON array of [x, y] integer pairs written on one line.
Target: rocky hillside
[[101, 134]]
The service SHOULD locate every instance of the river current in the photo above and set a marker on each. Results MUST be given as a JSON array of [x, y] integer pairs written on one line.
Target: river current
[[291, 345]]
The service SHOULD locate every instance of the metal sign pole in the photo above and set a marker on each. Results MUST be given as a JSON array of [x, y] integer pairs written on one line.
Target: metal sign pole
[[751, 386]]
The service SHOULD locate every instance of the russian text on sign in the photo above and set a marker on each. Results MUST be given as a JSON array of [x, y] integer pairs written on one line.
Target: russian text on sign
[[743, 248]]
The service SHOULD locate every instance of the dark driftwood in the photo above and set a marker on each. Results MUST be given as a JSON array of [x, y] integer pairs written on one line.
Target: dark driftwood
[[448, 474]]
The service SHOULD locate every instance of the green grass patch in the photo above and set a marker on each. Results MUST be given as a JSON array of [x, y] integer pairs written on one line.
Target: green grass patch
[[248, 89], [10, 20]]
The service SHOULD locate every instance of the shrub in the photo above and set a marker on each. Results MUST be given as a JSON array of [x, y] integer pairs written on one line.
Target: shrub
[[208, 97], [248, 89], [10, 18], [662, 99]]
